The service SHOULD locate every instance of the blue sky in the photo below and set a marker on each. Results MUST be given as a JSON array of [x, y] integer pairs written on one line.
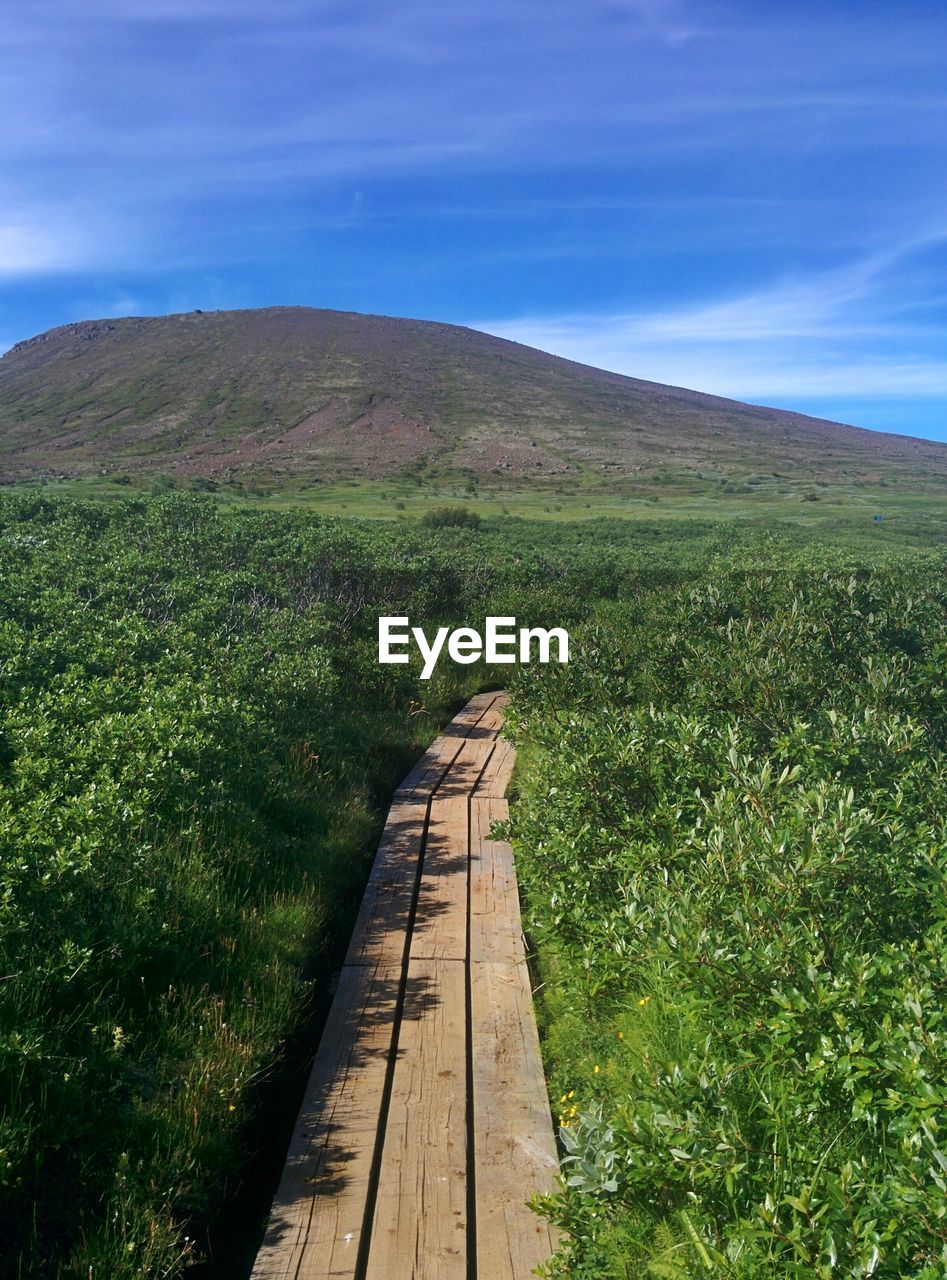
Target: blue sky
[[744, 198]]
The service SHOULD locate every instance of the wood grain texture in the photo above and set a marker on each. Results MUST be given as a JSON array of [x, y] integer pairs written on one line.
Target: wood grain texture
[[440, 922], [420, 1226], [496, 932], [382, 922], [318, 1212], [496, 776], [427, 773], [474, 755], [514, 1153]]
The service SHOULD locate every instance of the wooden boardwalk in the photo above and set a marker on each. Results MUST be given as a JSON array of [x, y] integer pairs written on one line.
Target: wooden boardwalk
[[426, 1125]]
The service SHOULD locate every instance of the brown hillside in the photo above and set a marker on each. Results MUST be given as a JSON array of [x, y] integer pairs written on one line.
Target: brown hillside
[[290, 393]]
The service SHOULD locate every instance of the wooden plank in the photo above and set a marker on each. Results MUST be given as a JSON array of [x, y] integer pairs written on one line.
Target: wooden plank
[[491, 722], [378, 936], [496, 932], [428, 771], [475, 751], [440, 922], [496, 776], [420, 1223], [379, 933], [493, 718], [394, 1052], [514, 1148], [317, 1216], [462, 775], [444, 747]]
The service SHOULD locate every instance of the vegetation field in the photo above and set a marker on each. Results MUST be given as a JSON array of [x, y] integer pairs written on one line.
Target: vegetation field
[[728, 823], [731, 832], [196, 747], [869, 514]]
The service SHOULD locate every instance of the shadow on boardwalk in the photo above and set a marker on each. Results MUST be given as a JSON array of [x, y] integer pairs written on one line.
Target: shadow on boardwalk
[[413, 1156]]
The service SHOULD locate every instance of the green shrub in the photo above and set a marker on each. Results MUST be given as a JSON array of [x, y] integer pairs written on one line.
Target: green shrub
[[196, 742], [733, 843], [451, 518]]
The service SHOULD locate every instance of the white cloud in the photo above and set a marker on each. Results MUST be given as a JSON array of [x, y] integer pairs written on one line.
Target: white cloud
[[60, 236], [854, 330], [27, 249]]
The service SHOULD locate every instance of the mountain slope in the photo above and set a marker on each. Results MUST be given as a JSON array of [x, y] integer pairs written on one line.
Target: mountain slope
[[293, 394]]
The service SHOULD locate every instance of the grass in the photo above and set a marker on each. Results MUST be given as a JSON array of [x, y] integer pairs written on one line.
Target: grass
[[843, 511]]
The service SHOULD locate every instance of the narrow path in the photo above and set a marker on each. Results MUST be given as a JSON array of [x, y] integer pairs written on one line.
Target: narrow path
[[425, 1126]]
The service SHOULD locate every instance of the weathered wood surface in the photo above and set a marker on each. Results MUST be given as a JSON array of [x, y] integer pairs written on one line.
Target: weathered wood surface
[[426, 1126], [420, 1220]]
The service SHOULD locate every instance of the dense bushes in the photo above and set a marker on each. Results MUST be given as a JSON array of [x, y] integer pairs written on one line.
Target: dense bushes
[[733, 841], [195, 746]]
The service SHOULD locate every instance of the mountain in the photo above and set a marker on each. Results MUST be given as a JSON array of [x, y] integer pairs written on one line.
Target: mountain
[[292, 395]]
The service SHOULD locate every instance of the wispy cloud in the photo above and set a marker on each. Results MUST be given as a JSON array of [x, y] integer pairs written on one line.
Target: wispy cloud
[[146, 105], [857, 329], [25, 249], [55, 239]]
